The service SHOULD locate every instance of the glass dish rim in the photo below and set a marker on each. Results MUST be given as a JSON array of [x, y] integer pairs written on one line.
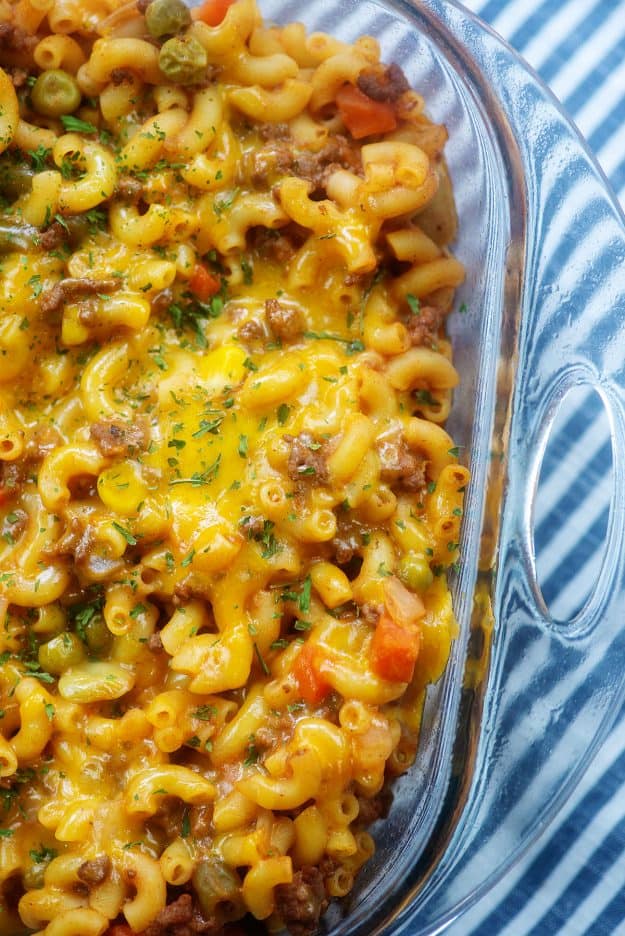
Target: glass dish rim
[[509, 126]]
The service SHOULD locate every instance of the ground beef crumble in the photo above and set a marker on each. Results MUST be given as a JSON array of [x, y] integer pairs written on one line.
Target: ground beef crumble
[[338, 153], [95, 871], [302, 902], [286, 322], [280, 157], [275, 131], [348, 540], [374, 807], [41, 441], [128, 187], [77, 540], [307, 459], [18, 76], [12, 477], [71, 289], [274, 245], [399, 465], [15, 39], [114, 437], [155, 643], [251, 331], [120, 75], [183, 917], [424, 328], [161, 301], [383, 84], [53, 237]]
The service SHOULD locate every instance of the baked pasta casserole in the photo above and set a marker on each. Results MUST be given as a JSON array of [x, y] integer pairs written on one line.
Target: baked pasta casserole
[[227, 500]]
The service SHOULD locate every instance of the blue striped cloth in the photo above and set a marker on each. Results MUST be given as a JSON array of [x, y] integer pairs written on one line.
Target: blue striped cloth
[[573, 880]]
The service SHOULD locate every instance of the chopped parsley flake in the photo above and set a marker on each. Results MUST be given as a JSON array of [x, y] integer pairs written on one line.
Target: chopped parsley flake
[[304, 598], [413, 304], [76, 125], [130, 539]]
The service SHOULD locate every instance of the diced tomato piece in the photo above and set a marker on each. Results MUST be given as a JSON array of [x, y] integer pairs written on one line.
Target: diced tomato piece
[[312, 685], [212, 12], [362, 115], [5, 494], [394, 650], [203, 283]]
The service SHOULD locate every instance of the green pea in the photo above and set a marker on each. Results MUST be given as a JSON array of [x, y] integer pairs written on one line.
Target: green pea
[[166, 18], [58, 654], [51, 620], [97, 636], [183, 60], [55, 93], [415, 572], [18, 237], [15, 180]]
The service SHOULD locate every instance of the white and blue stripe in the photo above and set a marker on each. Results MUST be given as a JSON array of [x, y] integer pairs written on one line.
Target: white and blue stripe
[[573, 879]]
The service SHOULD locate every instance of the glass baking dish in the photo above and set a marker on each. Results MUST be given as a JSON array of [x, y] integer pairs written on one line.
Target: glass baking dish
[[524, 701]]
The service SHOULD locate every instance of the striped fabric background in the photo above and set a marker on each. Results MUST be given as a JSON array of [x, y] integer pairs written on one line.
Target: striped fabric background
[[573, 880]]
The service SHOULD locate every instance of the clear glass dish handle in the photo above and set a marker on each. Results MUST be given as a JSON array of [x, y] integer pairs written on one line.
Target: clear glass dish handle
[[552, 689]]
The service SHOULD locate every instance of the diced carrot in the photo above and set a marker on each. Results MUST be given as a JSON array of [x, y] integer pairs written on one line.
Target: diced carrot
[[362, 115], [203, 284], [212, 12], [394, 650], [312, 685]]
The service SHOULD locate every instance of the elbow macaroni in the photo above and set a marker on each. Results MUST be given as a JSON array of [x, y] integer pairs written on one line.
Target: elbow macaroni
[[223, 379]]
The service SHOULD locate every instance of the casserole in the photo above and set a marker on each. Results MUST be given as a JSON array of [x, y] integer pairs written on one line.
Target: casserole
[[482, 153]]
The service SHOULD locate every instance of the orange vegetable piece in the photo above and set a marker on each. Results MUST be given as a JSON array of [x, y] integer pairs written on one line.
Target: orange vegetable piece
[[312, 685], [362, 115], [203, 283], [212, 12], [394, 650]]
